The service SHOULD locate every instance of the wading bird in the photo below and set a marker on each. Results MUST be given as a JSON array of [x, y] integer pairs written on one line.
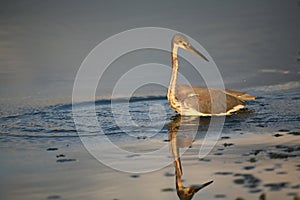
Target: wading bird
[[200, 101]]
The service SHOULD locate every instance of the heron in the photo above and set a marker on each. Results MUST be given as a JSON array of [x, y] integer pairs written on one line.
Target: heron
[[198, 101]]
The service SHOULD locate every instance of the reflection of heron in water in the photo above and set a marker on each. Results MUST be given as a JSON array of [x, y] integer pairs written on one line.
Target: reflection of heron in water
[[184, 193], [197, 101]]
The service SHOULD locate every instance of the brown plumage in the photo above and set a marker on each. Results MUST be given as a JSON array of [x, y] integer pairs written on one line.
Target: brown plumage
[[200, 101]]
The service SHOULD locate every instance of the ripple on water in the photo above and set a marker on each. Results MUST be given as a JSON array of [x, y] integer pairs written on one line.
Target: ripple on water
[[58, 120]]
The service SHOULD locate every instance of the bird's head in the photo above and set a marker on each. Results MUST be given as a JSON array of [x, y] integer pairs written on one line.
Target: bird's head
[[187, 193], [183, 42]]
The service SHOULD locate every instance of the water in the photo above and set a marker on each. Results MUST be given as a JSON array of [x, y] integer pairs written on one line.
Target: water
[[256, 48], [275, 108], [40, 147]]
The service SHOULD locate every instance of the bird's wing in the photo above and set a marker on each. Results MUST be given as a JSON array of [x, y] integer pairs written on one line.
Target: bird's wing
[[240, 95], [184, 91], [200, 99]]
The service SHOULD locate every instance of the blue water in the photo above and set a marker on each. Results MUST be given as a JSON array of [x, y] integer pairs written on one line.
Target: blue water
[[275, 109]]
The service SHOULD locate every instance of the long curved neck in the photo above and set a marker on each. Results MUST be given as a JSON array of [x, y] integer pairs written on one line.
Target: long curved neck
[[172, 85]]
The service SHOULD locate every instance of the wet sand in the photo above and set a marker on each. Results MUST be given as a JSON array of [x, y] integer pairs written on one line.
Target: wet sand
[[242, 165]]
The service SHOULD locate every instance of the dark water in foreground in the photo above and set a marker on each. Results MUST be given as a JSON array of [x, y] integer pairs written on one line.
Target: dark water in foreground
[[27, 139]]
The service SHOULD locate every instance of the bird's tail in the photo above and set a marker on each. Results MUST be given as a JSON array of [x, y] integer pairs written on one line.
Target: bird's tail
[[240, 95]]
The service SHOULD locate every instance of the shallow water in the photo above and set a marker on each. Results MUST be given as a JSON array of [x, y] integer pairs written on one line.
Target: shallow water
[[40, 147], [275, 108]]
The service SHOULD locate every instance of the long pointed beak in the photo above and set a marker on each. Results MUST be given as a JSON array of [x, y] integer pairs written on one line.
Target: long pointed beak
[[194, 51], [199, 187]]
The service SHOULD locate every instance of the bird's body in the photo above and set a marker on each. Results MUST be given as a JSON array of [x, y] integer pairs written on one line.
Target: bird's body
[[200, 101]]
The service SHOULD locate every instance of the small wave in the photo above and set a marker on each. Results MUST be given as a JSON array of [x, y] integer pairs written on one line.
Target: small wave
[[279, 87], [271, 70], [43, 135], [130, 99], [106, 101], [68, 106]]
